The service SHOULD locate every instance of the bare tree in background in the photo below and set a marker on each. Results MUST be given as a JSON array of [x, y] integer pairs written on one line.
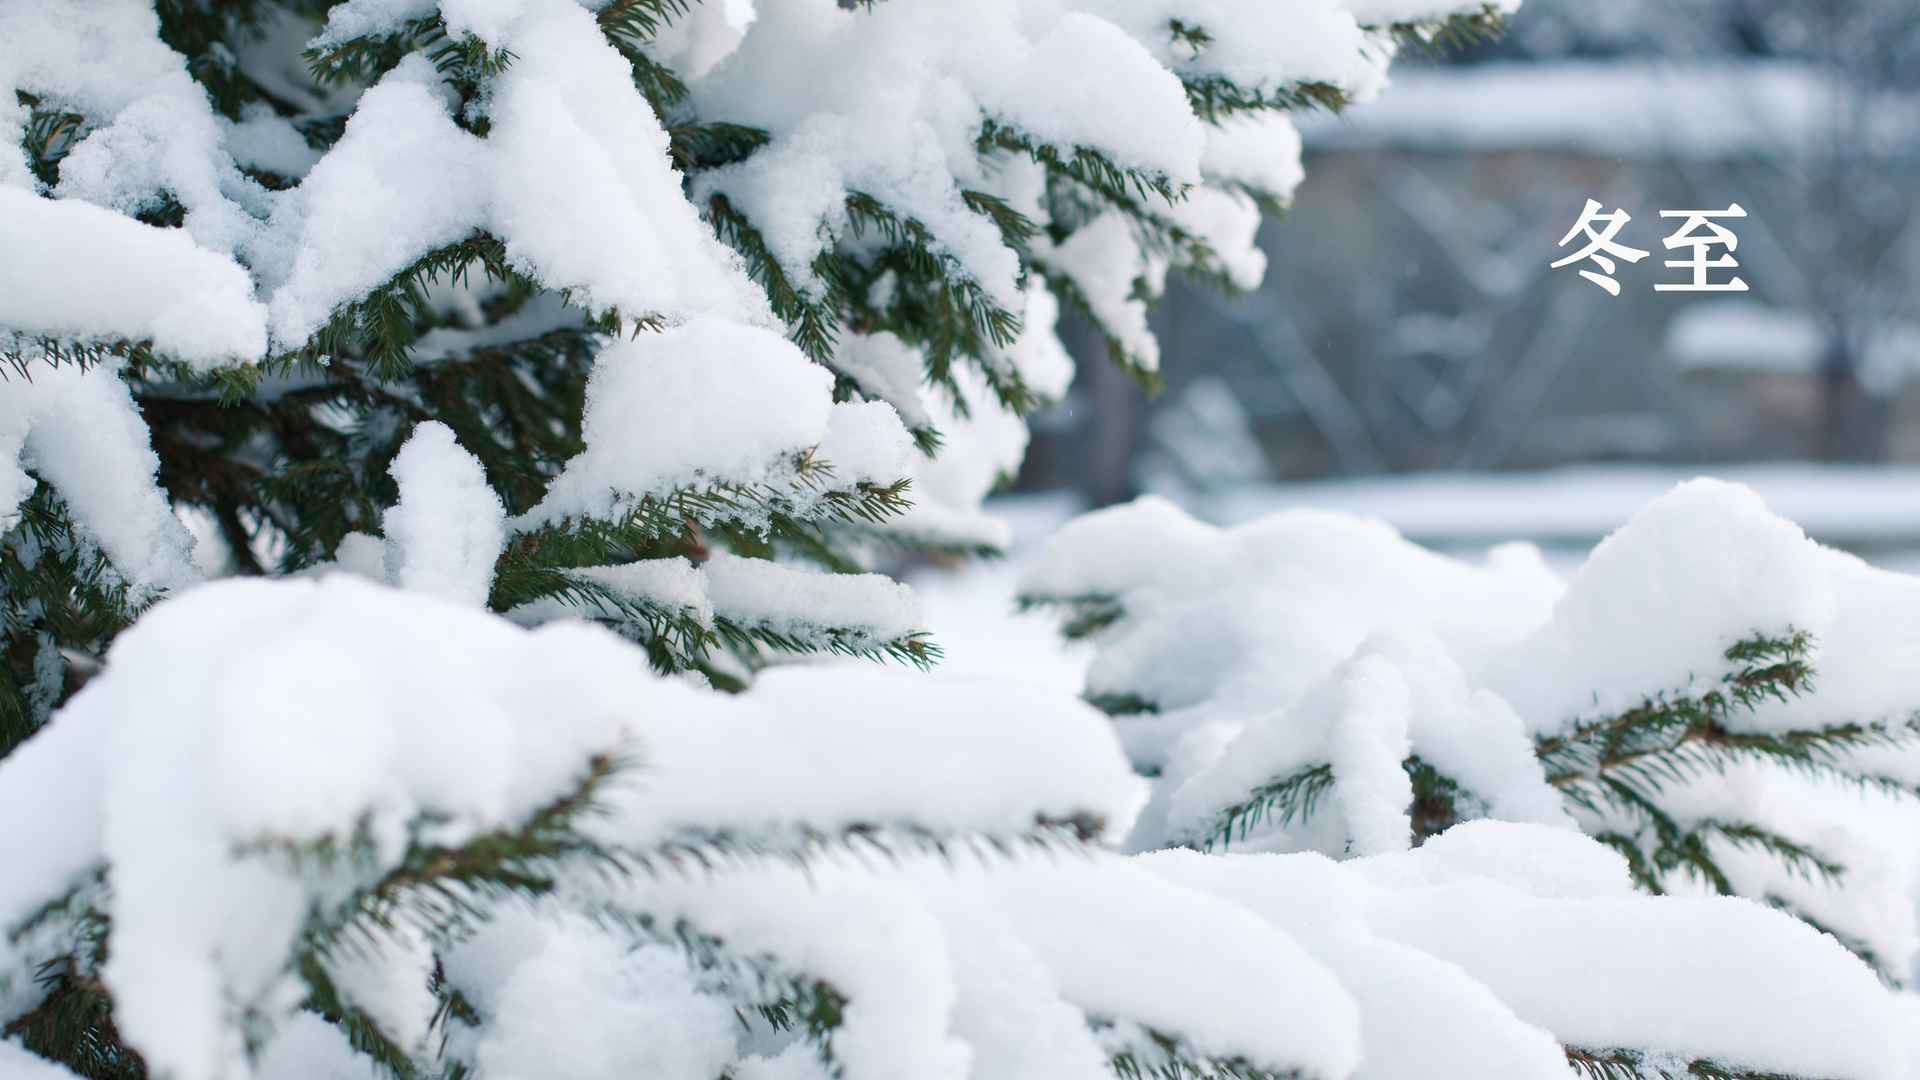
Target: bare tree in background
[[1854, 173]]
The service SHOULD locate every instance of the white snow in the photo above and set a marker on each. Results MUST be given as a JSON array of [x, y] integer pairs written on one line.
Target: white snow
[[584, 193], [565, 997], [872, 609], [1307, 638], [80, 431], [247, 712], [160, 286], [928, 750], [1260, 151], [654, 402], [673, 584], [1459, 958], [447, 530], [401, 182], [866, 444], [18, 1064]]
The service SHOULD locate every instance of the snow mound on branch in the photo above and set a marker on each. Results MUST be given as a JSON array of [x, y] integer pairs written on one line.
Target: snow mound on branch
[[1475, 933], [447, 530], [559, 991], [575, 177], [969, 967], [1067, 75], [401, 181], [1003, 961], [246, 715], [1656, 605], [80, 431], [1657, 602], [872, 609], [1255, 615], [586, 194], [916, 750], [1307, 641], [655, 402], [160, 286], [246, 720], [896, 117]]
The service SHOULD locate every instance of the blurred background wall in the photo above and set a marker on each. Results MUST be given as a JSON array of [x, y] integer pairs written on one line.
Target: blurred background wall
[[1409, 324]]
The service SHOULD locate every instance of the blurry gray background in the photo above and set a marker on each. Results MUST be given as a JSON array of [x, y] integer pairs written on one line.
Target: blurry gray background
[[1410, 331]]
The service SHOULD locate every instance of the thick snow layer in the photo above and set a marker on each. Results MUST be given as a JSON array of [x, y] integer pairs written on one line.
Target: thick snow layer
[[930, 751], [1260, 151], [926, 75], [966, 967], [1308, 639], [402, 181], [447, 530], [1658, 602], [564, 996], [866, 443], [307, 1047], [1448, 962], [1475, 932], [585, 194], [159, 286], [18, 1064], [574, 176], [654, 402], [673, 584], [872, 609], [248, 713], [1014, 951], [80, 431], [1257, 613]]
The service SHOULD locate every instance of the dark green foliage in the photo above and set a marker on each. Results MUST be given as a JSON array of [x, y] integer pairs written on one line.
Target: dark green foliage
[[1282, 800], [58, 596], [1164, 1056], [1633, 1065], [1081, 616]]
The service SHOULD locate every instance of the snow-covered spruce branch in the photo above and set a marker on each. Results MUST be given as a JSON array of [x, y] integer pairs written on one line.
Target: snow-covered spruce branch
[[1359, 694], [456, 331]]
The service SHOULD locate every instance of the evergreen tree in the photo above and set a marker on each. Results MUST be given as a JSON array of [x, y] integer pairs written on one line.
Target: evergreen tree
[[481, 317], [1712, 695]]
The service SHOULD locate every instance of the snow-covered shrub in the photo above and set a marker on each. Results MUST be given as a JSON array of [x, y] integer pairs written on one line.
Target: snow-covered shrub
[[1721, 700]]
